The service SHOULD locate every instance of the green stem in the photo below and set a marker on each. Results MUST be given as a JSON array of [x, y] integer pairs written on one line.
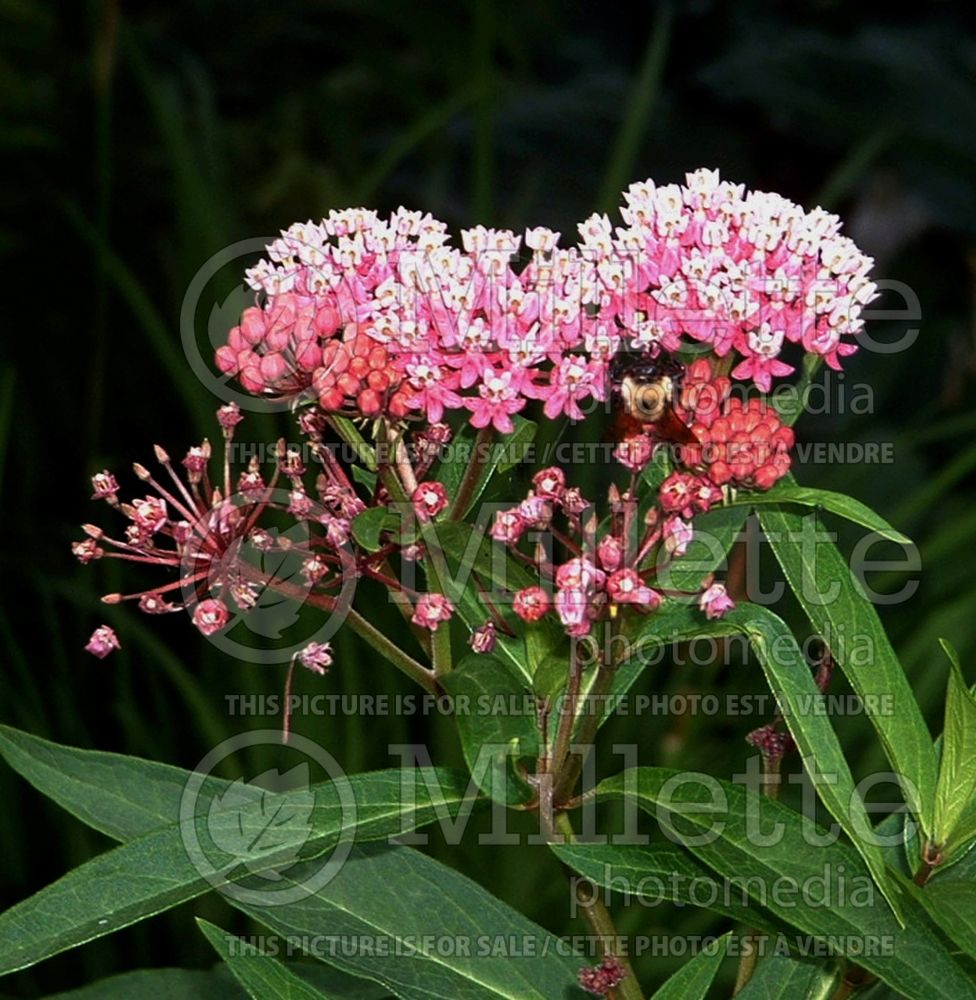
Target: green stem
[[372, 635], [599, 922], [567, 721], [389, 649], [472, 475], [567, 771]]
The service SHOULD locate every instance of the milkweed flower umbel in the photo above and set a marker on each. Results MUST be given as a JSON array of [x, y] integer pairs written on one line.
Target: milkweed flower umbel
[[205, 532], [384, 329], [374, 316]]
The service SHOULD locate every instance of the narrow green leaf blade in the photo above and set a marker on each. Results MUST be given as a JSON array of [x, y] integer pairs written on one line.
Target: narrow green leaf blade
[[121, 796], [952, 907], [432, 932], [787, 491], [744, 835], [692, 980], [494, 708], [243, 834], [262, 976], [784, 977], [835, 603], [160, 984], [791, 682], [956, 787], [655, 873]]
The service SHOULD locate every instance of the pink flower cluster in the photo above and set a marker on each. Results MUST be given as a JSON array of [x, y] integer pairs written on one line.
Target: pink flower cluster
[[475, 329], [742, 442], [599, 577], [603, 574], [201, 529], [601, 979]]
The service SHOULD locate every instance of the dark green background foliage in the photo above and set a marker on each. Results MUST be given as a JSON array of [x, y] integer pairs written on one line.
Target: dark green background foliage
[[144, 137]]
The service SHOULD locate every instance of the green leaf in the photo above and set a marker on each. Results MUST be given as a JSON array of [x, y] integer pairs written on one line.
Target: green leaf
[[790, 680], [658, 469], [217, 984], [501, 456], [816, 571], [245, 831], [160, 984], [547, 651], [952, 906], [787, 491], [428, 931], [659, 872], [462, 552], [692, 980], [494, 708], [371, 523], [262, 976], [766, 844], [798, 697], [364, 477], [117, 795], [515, 446], [956, 788], [394, 895], [349, 432], [715, 533], [784, 977]]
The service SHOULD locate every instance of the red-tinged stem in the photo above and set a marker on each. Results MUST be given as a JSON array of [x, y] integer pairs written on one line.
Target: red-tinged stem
[[168, 586], [568, 772], [286, 715], [567, 719], [387, 581], [373, 636], [566, 540]]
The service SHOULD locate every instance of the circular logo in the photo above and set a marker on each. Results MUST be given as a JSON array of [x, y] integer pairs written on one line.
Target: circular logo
[[260, 830]]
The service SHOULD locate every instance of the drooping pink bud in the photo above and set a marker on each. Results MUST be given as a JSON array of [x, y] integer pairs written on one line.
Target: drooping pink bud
[[103, 640]]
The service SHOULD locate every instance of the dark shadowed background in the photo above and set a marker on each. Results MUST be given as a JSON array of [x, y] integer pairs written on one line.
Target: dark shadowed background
[[144, 137]]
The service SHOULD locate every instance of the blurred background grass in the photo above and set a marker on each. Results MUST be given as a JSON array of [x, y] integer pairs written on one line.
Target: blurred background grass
[[145, 137]]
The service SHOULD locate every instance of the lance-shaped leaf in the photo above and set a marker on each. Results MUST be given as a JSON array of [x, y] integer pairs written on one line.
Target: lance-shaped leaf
[[692, 980], [216, 984], [955, 793], [788, 491], [656, 873], [174, 863], [264, 977], [424, 931], [952, 907], [496, 718], [395, 896], [791, 867], [496, 456], [838, 608], [799, 700], [785, 977]]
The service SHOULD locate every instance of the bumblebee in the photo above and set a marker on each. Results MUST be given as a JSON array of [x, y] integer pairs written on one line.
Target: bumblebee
[[645, 391]]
